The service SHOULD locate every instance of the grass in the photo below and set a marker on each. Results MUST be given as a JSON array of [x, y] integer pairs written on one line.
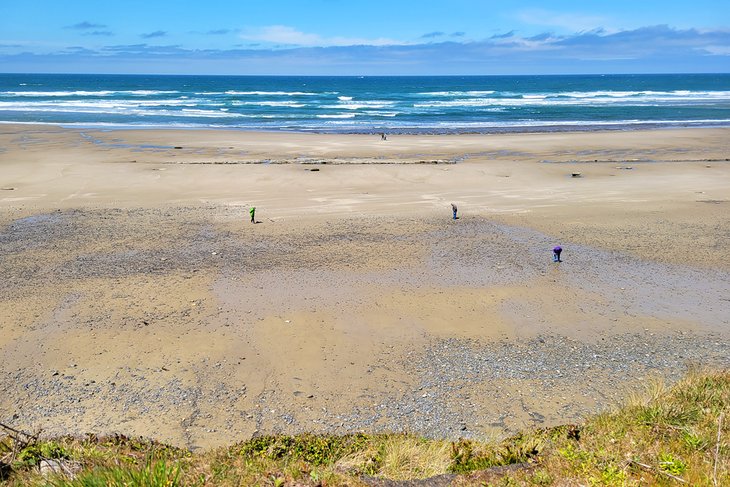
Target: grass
[[669, 436], [157, 473]]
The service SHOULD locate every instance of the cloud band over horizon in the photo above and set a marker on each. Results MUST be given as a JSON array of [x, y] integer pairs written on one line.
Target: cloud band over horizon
[[285, 50]]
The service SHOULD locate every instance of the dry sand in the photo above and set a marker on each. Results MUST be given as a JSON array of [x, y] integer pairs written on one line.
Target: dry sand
[[137, 297]]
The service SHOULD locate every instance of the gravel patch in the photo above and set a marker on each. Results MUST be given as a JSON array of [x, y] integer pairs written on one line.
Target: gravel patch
[[458, 388]]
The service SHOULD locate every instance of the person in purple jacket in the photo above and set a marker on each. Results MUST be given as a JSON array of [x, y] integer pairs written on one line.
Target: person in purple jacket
[[556, 253]]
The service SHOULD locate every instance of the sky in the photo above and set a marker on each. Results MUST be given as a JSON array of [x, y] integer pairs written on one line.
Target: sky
[[354, 37]]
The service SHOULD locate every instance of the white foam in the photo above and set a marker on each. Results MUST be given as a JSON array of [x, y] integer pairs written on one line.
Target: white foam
[[457, 93], [377, 113], [291, 104], [352, 105], [85, 93], [584, 99], [473, 102], [115, 109], [367, 123], [669, 96], [271, 93], [71, 105], [337, 115]]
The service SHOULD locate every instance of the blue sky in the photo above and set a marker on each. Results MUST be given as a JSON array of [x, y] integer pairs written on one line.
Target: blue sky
[[352, 37]]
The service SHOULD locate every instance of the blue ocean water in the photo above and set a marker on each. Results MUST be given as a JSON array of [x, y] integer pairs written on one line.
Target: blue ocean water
[[368, 104]]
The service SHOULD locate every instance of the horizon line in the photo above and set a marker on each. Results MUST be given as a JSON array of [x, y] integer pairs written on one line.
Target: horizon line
[[369, 75]]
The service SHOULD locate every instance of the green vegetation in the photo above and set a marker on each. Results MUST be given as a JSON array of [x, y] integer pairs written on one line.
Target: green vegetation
[[674, 436]]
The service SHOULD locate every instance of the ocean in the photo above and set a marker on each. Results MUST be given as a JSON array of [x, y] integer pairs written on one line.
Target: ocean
[[369, 104]]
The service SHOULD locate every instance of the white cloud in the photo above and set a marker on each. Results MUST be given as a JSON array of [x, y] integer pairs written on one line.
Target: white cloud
[[570, 21], [285, 35], [658, 48], [718, 50]]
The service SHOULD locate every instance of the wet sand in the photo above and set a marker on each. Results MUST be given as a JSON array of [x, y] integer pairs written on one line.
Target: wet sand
[[137, 297]]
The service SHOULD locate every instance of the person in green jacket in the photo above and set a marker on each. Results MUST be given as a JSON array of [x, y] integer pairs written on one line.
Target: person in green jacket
[[253, 212]]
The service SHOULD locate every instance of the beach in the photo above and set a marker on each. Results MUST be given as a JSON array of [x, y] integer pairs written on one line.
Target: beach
[[138, 298]]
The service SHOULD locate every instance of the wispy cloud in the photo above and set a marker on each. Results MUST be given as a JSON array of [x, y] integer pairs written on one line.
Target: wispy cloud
[[153, 35], [506, 35], [79, 50], [572, 22], [99, 33], [543, 37], [718, 50], [289, 36], [213, 32], [145, 50], [432, 35], [648, 49], [85, 25]]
